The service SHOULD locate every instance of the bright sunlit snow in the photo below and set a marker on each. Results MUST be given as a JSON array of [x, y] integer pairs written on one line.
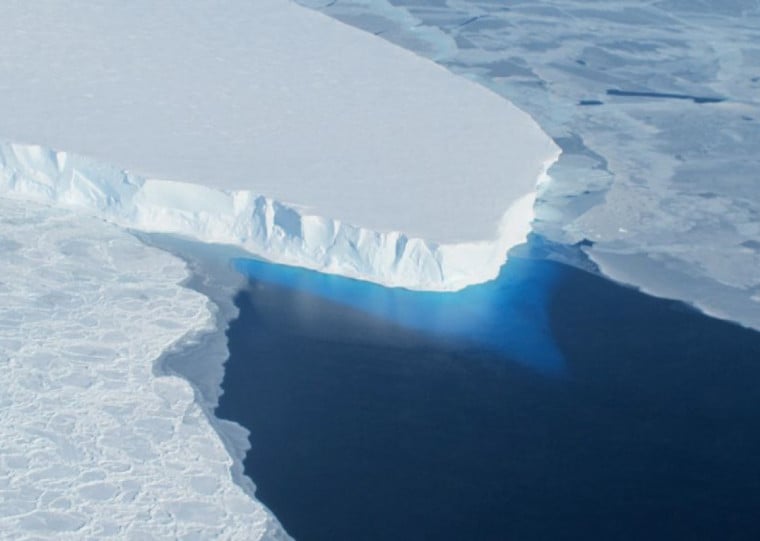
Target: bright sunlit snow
[[283, 102]]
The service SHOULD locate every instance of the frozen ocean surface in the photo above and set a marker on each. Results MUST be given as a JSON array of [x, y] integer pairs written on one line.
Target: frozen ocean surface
[[656, 106], [95, 444]]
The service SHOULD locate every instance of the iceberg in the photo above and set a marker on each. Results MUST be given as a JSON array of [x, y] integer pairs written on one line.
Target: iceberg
[[269, 126]]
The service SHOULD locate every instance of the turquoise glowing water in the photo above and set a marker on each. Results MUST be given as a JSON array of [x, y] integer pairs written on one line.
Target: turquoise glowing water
[[507, 316]]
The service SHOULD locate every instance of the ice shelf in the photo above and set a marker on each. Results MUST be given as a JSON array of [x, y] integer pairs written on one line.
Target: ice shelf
[[353, 144]]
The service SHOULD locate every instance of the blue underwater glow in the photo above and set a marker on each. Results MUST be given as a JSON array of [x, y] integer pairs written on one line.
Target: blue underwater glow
[[507, 316], [649, 433]]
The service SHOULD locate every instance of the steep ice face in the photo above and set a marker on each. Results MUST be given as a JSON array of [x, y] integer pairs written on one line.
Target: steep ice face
[[94, 444], [273, 99], [656, 108], [283, 233]]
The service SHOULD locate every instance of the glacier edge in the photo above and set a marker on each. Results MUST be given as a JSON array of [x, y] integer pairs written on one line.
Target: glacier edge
[[274, 230]]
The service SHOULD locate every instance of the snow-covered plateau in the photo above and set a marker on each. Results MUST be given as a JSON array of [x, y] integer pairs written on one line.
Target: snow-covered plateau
[[282, 130]]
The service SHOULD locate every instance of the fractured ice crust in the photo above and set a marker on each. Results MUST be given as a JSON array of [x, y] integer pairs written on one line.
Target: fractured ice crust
[[309, 141], [94, 445]]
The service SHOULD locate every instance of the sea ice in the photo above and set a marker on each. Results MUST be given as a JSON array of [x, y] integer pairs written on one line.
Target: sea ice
[[94, 444]]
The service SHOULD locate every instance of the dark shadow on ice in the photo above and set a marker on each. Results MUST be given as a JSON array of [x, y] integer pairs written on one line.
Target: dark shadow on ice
[[664, 95]]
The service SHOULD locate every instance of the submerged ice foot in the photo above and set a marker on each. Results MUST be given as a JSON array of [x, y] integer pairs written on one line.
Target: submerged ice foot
[[507, 317], [649, 433]]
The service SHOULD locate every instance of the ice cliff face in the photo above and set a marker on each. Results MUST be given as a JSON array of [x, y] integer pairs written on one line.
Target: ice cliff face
[[274, 99], [273, 230]]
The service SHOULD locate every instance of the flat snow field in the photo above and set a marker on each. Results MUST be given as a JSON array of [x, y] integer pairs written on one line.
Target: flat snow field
[[270, 97]]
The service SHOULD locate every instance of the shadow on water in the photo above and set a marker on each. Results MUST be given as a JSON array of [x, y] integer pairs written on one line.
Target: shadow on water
[[368, 423], [506, 316]]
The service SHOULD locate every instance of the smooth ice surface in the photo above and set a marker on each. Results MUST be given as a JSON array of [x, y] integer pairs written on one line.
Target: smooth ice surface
[[659, 174], [94, 443], [273, 98]]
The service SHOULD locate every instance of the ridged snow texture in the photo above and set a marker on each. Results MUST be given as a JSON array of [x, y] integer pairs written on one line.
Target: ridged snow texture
[[271, 229]]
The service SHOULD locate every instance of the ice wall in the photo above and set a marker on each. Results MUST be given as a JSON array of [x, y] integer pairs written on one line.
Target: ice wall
[[330, 125], [276, 231]]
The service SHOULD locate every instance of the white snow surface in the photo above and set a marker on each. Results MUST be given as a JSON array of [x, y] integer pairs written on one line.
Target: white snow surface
[[93, 445], [271, 99]]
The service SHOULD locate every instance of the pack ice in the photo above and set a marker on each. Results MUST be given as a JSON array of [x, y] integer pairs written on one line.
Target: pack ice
[[291, 134], [94, 445]]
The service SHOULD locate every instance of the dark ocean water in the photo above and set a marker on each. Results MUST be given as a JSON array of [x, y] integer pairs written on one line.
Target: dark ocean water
[[548, 405]]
